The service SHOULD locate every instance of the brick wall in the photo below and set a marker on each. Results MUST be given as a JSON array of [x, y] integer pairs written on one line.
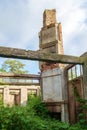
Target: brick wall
[[49, 17], [50, 38]]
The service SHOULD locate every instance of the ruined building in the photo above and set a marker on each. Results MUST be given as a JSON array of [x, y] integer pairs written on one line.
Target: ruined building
[[15, 88], [50, 38], [57, 82]]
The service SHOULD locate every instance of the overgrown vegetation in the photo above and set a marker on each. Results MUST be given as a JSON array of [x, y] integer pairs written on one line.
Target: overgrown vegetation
[[32, 117], [82, 108]]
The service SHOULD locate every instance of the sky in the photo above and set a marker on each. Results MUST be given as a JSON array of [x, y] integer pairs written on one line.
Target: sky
[[21, 21]]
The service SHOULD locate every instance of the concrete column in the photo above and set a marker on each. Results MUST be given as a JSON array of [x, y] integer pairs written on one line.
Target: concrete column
[[85, 82], [38, 91], [6, 96], [65, 95], [24, 96], [85, 79], [62, 113]]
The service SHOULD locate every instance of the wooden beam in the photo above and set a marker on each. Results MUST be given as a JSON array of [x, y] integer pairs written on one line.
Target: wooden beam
[[38, 55]]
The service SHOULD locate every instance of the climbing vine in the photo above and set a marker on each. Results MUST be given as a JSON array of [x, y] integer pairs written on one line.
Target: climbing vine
[[83, 105]]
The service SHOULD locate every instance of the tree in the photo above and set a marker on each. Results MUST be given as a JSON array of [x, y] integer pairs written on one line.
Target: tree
[[13, 66]]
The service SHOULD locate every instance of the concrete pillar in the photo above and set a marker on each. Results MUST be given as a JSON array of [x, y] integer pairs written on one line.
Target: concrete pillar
[[84, 59], [85, 79], [65, 95], [85, 82], [6, 96], [62, 113], [24, 96], [38, 91]]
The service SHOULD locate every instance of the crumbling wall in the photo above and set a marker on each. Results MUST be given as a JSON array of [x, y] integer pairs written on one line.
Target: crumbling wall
[[52, 77], [14, 94], [49, 17], [50, 38]]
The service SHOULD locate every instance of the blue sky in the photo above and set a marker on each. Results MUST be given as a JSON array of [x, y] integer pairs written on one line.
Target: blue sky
[[21, 20]]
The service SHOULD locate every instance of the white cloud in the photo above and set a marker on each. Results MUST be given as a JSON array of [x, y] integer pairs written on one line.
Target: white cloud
[[2, 38], [21, 20]]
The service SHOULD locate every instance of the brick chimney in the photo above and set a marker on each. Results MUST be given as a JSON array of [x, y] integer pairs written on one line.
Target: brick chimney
[[50, 38], [49, 17]]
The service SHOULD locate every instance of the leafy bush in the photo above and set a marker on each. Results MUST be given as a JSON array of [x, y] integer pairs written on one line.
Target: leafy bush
[[37, 106], [32, 117]]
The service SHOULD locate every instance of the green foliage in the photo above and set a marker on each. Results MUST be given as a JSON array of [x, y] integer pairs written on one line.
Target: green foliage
[[29, 118], [13, 66], [75, 127], [83, 107], [37, 105]]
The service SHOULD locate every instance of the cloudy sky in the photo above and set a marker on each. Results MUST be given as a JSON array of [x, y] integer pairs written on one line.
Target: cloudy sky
[[21, 20]]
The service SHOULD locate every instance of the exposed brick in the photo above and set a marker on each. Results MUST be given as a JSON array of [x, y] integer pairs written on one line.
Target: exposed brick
[[49, 17], [50, 38]]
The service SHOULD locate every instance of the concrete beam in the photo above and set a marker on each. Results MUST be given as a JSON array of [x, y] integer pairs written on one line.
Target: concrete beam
[[20, 76], [38, 55]]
